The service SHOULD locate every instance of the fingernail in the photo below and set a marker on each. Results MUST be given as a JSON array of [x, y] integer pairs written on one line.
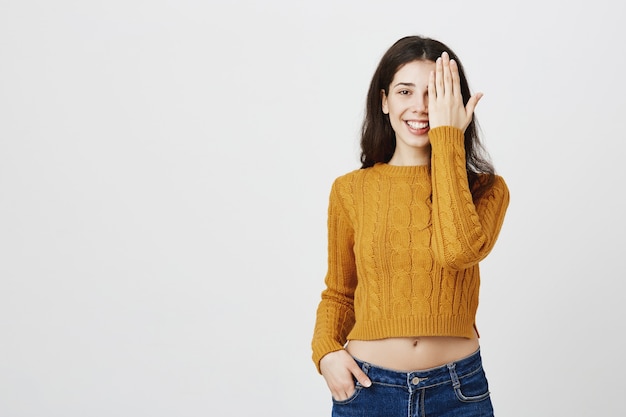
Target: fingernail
[[367, 384]]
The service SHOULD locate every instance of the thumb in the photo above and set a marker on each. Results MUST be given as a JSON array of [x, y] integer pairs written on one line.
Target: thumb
[[471, 104], [470, 107], [361, 376]]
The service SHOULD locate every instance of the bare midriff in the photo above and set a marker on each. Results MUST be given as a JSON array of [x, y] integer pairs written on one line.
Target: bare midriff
[[412, 353]]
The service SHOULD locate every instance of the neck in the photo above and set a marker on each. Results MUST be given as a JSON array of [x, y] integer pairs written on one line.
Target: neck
[[416, 157]]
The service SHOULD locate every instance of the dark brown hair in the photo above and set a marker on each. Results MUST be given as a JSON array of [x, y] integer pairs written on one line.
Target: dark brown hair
[[378, 139]]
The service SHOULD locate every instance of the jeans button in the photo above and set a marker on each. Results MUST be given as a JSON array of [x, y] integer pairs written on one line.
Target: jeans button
[[415, 380]]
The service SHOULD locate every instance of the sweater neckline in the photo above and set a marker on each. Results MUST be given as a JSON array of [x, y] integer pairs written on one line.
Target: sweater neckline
[[401, 170]]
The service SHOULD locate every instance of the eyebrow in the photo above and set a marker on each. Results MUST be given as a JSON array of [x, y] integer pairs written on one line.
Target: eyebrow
[[404, 84]]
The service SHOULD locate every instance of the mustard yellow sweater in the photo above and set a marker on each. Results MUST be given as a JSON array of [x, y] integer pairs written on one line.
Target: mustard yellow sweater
[[404, 243]]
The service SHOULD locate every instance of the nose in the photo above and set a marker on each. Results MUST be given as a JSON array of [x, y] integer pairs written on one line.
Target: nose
[[420, 103]]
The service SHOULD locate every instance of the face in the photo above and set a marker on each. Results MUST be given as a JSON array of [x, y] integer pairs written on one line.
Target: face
[[407, 106]]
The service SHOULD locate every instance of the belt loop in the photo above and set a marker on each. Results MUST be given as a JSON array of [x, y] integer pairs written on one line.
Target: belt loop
[[455, 379]]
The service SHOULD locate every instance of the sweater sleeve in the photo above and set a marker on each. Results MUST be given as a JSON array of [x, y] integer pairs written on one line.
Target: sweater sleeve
[[335, 313], [464, 231]]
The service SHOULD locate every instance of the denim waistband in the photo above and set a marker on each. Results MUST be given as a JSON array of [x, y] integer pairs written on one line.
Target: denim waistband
[[445, 374]]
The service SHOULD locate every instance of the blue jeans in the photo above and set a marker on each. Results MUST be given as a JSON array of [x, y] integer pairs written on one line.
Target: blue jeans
[[458, 389]]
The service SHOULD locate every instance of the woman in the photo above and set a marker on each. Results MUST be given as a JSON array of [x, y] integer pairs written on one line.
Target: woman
[[395, 333]]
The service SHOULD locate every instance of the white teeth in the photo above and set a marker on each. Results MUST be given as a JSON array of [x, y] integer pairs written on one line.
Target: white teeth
[[417, 125]]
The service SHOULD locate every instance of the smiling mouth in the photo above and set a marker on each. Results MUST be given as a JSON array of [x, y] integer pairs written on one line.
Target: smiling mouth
[[417, 125]]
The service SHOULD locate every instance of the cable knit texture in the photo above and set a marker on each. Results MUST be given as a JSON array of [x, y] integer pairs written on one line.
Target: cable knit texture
[[404, 243]]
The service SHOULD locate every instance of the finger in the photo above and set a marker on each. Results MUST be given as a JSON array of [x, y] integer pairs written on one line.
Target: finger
[[361, 376], [439, 77], [338, 395], [342, 391], [456, 80], [349, 392], [344, 395], [447, 74]]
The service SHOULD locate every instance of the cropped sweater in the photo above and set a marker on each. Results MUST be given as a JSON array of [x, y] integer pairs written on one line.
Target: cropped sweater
[[404, 243]]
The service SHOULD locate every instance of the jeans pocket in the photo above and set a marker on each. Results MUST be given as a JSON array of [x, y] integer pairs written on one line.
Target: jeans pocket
[[472, 388], [357, 390]]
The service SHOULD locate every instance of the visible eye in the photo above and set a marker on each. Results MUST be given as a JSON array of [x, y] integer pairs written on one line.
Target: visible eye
[[404, 92]]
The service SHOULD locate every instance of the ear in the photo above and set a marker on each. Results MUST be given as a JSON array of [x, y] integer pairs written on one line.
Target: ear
[[383, 98]]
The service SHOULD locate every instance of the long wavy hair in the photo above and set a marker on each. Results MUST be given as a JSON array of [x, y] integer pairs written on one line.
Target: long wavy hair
[[378, 139]]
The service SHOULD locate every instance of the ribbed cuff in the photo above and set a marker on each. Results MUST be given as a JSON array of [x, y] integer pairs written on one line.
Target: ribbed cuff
[[443, 137], [323, 347]]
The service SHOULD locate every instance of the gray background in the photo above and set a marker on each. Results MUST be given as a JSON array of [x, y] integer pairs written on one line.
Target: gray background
[[164, 175]]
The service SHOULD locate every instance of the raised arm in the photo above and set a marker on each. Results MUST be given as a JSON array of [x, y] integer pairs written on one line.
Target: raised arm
[[464, 231]]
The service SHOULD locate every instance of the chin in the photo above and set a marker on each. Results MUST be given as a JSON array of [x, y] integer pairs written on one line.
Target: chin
[[419, 144]]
